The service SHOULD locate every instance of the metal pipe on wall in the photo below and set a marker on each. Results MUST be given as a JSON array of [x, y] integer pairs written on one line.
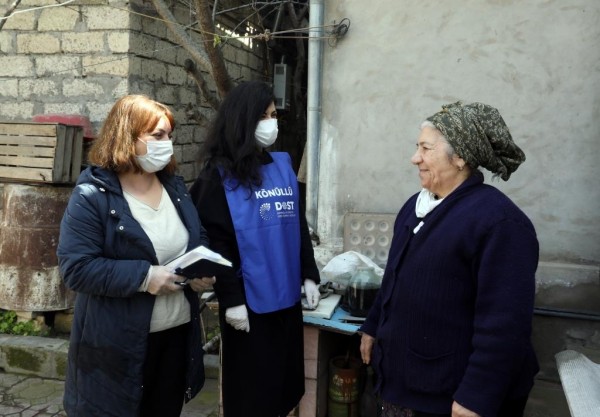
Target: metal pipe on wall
[[313, 123], [569, 314]]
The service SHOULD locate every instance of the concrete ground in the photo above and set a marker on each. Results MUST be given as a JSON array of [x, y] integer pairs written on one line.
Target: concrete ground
[[32, 371], [25, 396], [31, 379]]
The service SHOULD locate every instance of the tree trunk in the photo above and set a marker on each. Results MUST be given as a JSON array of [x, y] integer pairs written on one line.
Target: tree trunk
[[215, 56], [200, 56]]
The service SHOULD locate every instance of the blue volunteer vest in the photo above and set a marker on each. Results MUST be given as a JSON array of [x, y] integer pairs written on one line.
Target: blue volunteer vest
[[267, 228]]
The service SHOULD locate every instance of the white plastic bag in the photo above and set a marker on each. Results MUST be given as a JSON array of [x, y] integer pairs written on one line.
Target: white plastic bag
[[340, 268]]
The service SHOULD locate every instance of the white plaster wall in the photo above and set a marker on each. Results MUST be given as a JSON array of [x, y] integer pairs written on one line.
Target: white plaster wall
[[537, 61]]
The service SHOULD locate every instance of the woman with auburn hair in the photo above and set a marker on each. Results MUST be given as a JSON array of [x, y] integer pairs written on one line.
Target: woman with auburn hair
[[135, 347]]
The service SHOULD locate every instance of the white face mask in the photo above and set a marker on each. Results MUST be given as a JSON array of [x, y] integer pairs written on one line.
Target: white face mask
[[158, 155], [266, 132]]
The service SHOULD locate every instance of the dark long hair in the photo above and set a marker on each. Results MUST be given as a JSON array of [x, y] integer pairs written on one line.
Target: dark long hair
[[230, 143]]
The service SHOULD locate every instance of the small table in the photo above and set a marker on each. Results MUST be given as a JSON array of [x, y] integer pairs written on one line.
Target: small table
[[324, 338]]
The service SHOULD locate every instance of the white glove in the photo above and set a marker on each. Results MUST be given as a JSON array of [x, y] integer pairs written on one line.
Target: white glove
[[238, 317], [160, 281], [312, 293]]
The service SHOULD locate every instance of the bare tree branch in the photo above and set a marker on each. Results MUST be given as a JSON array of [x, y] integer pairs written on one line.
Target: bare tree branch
[[199, 56], [11, 8], [193, 113], [215, 55], [196, 74]]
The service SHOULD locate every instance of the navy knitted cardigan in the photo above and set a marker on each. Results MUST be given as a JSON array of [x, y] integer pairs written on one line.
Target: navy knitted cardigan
[[452, 320]]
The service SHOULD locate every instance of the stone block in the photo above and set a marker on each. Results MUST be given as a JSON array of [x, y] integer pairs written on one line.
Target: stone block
[[119, 42], [121, 89], [116, 65], [10, 88], [154, 71], [31, 355], [155, 28], [6, 43], [143, 45], [21, 21], [166, 94], [57, 64], [229, 53], [36, 3], [64, 108], [185, 135], [39, 43], [165, 51], [58, 19], [17, 111], [187, 171], [99, 18], [176, 74], [40, 87], [16, 66], [79, 87], [99, 110], [83, 43], [187, 91], [189, 153]]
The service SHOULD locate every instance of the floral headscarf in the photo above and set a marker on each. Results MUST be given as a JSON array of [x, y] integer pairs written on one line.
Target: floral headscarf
[[479, 135]]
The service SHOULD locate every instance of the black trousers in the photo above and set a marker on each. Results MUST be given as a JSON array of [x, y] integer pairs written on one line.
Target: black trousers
[[164, 373], [263, 371]]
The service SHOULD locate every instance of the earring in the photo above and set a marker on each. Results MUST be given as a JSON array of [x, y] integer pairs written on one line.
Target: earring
[[460, 168]]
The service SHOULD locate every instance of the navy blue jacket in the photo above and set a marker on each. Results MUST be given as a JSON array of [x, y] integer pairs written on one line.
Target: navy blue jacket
[[453, 317], [104, 255]]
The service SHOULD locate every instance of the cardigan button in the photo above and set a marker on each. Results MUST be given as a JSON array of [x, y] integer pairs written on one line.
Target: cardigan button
[[113, 211], [102, 189], [121, 228]]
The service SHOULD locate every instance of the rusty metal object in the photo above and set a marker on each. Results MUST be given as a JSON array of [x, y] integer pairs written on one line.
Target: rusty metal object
[[29, 228]]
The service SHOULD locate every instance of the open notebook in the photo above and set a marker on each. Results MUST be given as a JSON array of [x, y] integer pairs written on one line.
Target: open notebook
[[199, 262]]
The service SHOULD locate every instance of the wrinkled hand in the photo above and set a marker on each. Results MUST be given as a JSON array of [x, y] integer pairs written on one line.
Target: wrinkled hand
[[366, 347], [161, 280], [312, 293], [202, 284], [238, 317], [460, 411]]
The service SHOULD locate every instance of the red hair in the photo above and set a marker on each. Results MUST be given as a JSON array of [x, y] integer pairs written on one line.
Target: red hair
[[130, 117]]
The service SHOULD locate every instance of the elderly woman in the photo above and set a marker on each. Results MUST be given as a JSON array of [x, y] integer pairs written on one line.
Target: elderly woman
[[449, 334]]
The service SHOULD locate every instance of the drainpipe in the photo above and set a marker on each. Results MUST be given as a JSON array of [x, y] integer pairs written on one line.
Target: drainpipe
[[313, 122]]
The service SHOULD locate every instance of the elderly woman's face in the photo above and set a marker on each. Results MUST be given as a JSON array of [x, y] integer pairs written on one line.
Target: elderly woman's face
[[438, 171]]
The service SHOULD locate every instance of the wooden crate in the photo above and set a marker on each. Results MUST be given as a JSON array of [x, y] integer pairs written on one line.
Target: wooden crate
[[40, 152]]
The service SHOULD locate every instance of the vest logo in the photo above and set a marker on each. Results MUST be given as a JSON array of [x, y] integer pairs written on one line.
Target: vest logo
[[273, 192], [284, 205], [285, 209], [265, 211]]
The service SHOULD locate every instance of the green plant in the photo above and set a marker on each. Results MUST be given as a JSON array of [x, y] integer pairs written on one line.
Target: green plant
[[10, 324]]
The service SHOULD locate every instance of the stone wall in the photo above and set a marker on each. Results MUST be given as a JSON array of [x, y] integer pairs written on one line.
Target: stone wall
[[79, 58]]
